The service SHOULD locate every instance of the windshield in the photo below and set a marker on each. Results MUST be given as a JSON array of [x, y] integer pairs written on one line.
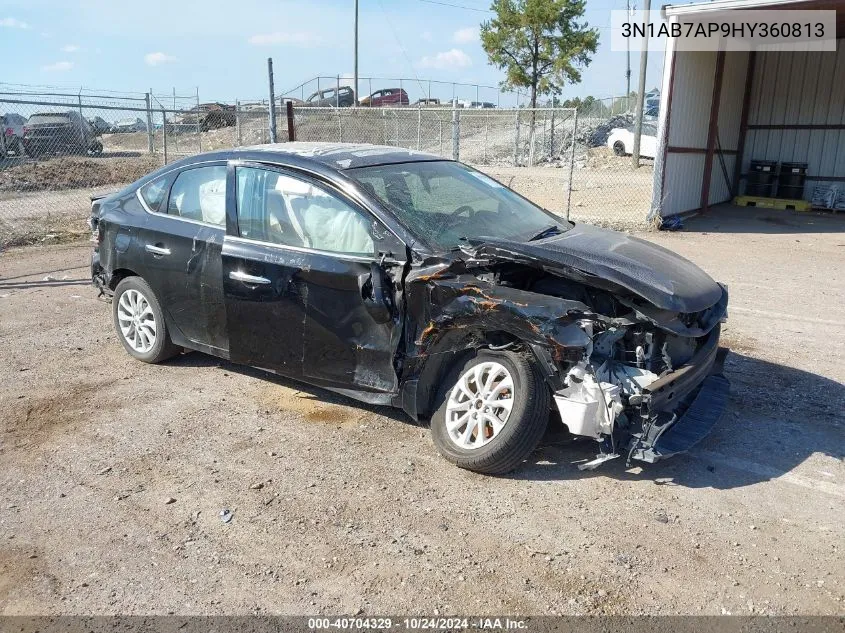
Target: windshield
[[444, 203]]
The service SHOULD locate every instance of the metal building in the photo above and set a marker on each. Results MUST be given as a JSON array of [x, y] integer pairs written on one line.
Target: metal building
[[720, 110]]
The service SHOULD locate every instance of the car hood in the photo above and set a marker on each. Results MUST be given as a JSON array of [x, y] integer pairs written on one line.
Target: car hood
[[607, 258]]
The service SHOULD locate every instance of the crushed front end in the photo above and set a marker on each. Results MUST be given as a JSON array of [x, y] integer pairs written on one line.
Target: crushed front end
[[647, 389]]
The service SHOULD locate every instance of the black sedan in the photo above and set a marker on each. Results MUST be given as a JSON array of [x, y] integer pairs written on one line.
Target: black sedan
[[400, 278]]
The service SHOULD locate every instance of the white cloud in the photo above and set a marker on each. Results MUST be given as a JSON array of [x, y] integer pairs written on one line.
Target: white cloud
[[454, 58], [300, 39], [58, 67], [154, 59], [13, 23], [465, 35], [70, 48]]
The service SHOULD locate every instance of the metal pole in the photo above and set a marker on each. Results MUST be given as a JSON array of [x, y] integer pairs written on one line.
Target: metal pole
[[429, 92], [552, 132], [291, 129], [164, 133], [81, 124], [396, 117], [272, 100], [440, 134], [477, 102], [571, 164], [355, 63], [337, 91], [419, 124], [486, 129], [339, 127], [456, 132], [199, 136], [516, 141], [628, 71], [638, 119], [238, 121], [150, 144]]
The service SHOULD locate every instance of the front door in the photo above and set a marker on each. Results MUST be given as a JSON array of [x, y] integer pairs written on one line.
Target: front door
[[182, 240], [298, 273]]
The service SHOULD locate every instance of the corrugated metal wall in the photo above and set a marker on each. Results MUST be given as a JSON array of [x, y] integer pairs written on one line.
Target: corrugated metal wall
[[692, 93], [805, 88], [728, 124]]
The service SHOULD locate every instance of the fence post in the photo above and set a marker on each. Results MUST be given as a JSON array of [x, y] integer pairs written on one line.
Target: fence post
[[532, 133], [199, 127], [337, 92], [456, 132], [339, 126], [516, 140], [150, 132], [273, 99], [81, 124], [164, 133], [486, 126], [552, 133], [419, 125], [571, 164], [396, 117], [440, 134], [291, 129], [238, 122]]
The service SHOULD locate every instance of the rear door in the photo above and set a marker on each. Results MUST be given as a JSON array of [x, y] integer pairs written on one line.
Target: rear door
[[298, 267], [182, 240]]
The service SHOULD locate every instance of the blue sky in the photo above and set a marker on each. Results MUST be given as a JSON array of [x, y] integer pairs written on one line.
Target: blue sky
[[221, 47]]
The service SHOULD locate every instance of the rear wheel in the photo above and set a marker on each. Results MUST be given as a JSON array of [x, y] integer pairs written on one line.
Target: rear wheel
[[493, 409], [619, 148], [95, 149], [139, 322]]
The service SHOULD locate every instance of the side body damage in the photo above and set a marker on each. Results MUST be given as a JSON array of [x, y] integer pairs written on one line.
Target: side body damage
[[622, 371]]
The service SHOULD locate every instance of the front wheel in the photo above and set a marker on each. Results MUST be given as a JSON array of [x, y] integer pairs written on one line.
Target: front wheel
[[619, 148], [139, 322], [95, 149], [493, 410]]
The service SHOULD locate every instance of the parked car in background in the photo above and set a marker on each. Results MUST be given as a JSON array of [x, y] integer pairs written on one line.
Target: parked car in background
[[100, 125], [621, 141], [386, 97], [427, 102], [343, 97], [12, 127], [126, 126], [60, 132], [206, 116], [400, 278], [481, 104]]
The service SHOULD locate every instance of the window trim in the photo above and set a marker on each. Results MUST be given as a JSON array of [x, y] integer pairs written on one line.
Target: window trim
[[174, 174], [314, 179]]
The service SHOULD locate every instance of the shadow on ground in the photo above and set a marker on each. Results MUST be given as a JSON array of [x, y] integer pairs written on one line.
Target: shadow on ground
[[778, 416], [728, 218]]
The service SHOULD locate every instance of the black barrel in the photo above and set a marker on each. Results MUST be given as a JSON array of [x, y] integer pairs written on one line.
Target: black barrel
[[761, 177], [791, 178]]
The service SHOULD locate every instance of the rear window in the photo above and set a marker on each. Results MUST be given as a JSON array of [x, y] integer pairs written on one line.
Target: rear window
[[49, 118], [154, 193]]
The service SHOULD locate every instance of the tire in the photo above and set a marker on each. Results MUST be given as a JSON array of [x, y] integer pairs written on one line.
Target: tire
[[619, 148], [95, 149], [499, 451], [151, 320]]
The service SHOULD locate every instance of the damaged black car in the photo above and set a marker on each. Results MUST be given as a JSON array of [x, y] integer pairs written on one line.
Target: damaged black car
[[400, 278]]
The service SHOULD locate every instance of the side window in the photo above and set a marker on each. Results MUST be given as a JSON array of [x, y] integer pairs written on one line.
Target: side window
[[154, 193], [200, 194], [280, 209]]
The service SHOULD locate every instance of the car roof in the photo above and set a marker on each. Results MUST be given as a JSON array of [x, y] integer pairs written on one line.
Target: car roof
[[340, 156]]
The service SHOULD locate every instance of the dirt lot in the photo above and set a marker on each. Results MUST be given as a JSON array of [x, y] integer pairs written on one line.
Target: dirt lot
[[113, 473]]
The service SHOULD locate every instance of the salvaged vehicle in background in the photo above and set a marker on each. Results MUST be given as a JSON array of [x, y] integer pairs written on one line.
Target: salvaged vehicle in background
[[127, 126], [621, 141], [399, 278], [386, 97], [205, 116], [11, 129], [343, 97], [60, 132]]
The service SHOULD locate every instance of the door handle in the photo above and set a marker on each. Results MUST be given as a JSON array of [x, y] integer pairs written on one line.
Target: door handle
[[156, 250], [237, 275]]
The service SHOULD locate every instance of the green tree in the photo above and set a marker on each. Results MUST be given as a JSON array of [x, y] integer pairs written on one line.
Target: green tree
[[540, 44]]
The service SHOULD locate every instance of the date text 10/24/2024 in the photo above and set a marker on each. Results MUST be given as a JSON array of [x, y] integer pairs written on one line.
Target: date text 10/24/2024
[[418, 623]]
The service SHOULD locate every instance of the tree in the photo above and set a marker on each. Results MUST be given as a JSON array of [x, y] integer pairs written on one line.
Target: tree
[[541, 44]]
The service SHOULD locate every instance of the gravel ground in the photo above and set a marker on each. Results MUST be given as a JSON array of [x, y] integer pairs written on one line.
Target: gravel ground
[[113, 473]]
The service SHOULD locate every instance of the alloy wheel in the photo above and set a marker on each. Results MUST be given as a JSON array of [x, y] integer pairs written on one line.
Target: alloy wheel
[[479, 405], [137, 321]]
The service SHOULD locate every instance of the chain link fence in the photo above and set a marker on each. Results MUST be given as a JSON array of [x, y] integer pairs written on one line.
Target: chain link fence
[[59, 149]]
